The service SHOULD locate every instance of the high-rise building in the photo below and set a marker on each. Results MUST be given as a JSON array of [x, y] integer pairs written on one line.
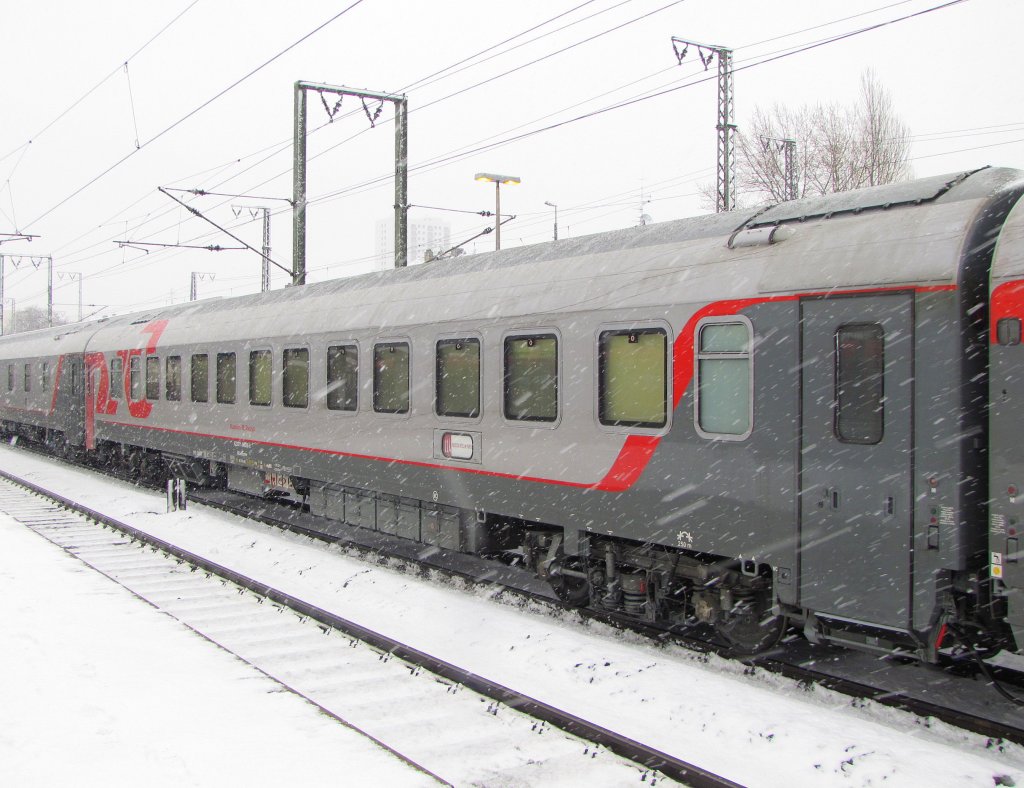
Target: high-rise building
[[425, 233]]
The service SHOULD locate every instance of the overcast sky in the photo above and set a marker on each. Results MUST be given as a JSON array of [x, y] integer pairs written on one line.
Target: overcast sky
[[206, 102]]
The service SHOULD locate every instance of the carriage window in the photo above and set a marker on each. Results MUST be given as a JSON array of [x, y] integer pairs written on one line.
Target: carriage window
[[27, 381], [859, 398], [632, 389], [10, 377], [46, 376], [342, 377], [724, 403], [391, 377], [152, 377], [173, 379], [135, 378], [531, 378], [200, 377], [458, 377], [116, 378], [261, 365], [75, 385], [226, 378], [296, 378]]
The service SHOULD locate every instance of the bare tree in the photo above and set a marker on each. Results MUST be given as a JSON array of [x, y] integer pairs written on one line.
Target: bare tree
[[883, 138], [837, 148], [29, 318]]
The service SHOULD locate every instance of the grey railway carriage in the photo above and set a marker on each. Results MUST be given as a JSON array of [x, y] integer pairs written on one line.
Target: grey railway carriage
[[745, 420]]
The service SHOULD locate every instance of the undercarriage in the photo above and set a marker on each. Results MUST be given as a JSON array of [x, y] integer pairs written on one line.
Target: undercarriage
[[662, 585]]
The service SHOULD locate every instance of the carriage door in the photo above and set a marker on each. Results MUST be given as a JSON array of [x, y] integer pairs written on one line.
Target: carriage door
[[856, 463], [72, 401]]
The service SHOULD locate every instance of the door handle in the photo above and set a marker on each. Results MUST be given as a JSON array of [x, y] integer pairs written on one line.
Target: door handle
[[829, 498]]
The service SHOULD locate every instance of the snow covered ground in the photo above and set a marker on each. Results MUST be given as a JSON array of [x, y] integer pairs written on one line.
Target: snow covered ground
[[755, 729], [79, 704]]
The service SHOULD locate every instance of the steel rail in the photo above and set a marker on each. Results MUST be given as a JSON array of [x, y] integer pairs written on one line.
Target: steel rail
[[65, 516], [638, 752], [857, 689], [771, 663]]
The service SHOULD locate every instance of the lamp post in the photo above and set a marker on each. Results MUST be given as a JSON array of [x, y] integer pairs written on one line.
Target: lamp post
[[553, 205], [497, 180]]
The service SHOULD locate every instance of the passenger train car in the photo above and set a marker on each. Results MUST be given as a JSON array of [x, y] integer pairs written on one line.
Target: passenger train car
[[758, 419]]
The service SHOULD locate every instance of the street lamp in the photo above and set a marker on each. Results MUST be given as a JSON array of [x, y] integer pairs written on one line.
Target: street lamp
[[553, 205], [497, 180]]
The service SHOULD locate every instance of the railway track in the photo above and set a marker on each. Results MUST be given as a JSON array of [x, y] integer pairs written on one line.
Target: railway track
[[931, 694], [447, 722], [968, 702]]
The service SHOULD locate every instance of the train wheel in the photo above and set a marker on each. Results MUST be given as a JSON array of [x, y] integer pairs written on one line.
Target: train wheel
[[568, 579], [751, 630]]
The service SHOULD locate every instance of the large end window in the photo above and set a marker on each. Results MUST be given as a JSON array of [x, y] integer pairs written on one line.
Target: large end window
[[724, 404], [152, 377], [295, 382], [173, 378], [860, 367], [391, 377], [226, 372], [531, 378], [632, 371], [342, 377], [458, 378], [200, 378], [260, 369], [116, 378]]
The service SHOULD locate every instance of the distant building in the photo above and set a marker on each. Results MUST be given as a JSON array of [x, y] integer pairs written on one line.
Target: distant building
[[426, 233]]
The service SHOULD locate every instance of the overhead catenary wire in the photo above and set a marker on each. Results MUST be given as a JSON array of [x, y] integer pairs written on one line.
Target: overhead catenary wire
[[422, 107], [964, 150], [193, 112], [208, 248], [451, 210], [99, 84], [766, 59], [620, 4], [575, 22], [490, 79], [131, 100], [445, 159], [120, 269], [451, 95], [615, 106], [195, 212], [277, 148], [453, 69]]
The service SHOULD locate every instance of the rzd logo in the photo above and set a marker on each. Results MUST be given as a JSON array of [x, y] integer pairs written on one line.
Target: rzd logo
[[101, 389]]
